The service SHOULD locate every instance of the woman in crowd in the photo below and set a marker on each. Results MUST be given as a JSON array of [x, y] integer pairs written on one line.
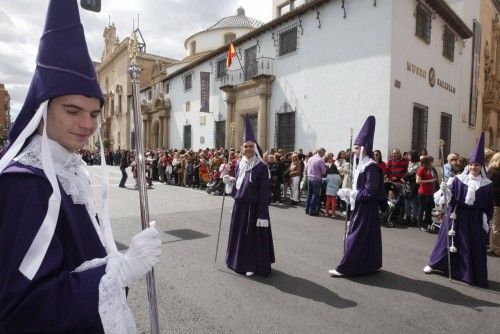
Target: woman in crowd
[[181, 170], [203, 171], [377, 156], [425, 181], [410, 189], [295, 178], [465, 227], [286, 161], [494, 176], [175, 167], [275, 168]]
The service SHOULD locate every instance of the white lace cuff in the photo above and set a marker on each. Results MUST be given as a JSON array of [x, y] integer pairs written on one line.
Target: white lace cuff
[[94, 263], [116, 316], [262, 223]]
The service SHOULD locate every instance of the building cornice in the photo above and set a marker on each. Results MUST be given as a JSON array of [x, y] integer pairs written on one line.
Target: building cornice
[[450, 17]]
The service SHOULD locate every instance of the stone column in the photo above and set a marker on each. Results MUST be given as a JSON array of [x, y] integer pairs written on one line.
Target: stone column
[[160, 134], [166, 133], [264, 94], [230, 117], [262, 122]]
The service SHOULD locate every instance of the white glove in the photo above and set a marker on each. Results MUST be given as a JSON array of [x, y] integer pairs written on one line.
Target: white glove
[[143, 253], [228, 179], [229, 182], [262, 223], [486, 226], [443, 186], [352, 197], [344, 194]]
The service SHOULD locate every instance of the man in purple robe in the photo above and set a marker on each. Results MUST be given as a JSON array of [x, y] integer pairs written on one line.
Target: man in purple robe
[[60, 271], [250, 247], [363, 244], [465, 227]]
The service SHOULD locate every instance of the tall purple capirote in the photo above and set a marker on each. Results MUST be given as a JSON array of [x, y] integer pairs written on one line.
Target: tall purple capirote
[[477, 154], [248, 134], [365, 135], [63, 64]]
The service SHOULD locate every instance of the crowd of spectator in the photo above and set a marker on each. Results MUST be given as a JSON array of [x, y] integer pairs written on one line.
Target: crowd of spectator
[[315, 176]]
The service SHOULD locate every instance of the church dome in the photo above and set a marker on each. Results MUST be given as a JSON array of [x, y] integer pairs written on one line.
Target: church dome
[[237, 21]]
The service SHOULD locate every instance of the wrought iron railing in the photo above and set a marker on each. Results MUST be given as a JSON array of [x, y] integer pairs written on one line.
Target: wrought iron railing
[[261, 66]]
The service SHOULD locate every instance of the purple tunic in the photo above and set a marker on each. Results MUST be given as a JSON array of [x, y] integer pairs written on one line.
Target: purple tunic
[[363, 246], [468, 264], [250, 248], [56, 300]]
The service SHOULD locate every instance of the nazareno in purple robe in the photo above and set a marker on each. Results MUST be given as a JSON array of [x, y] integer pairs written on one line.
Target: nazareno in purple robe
[[56, 300], [250, 248], [468, 264], [363, 245]]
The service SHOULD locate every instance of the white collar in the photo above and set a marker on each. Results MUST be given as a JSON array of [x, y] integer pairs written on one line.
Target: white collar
[[244, 166], [69, 170], [60, 155]]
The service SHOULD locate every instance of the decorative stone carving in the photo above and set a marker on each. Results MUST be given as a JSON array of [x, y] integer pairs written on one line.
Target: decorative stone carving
[[491, 94]]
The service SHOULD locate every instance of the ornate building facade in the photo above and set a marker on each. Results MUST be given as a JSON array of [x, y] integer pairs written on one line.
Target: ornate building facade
[[489, 105], [117, 120], [4, 113]]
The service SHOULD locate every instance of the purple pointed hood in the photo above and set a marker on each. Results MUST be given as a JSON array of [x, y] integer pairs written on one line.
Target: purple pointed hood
[[477, 155], [366, 134], [63, 64], [248, 134]]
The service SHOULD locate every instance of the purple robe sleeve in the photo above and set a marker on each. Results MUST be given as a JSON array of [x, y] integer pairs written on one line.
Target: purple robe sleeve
[[56, 300], [371, 189], [263, 204]]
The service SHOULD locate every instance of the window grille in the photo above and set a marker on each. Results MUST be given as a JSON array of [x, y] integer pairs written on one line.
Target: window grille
[[187, 137], [423, 22], [419, 131], [288, 41], [448, 43], [188, 81], [445, 132]]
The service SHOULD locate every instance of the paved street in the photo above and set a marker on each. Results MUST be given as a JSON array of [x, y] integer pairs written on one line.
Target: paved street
[[299, 296]]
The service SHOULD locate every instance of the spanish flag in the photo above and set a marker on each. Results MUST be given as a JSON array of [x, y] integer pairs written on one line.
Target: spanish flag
[[231, 52]]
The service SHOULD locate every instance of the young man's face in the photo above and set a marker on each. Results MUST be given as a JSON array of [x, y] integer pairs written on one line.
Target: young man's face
[[475, 169], [72, 119], [248, 149], [356, 150]]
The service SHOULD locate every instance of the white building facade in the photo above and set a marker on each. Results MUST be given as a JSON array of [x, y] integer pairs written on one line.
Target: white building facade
[[312, 74]]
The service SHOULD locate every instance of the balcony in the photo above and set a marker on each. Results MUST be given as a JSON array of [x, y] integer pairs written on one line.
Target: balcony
[[261, 66]]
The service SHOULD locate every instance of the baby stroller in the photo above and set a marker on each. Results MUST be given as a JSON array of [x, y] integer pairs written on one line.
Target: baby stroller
[[395, 201], [215, 185]]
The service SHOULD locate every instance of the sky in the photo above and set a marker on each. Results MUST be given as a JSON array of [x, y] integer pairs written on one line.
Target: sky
[[165, 24]]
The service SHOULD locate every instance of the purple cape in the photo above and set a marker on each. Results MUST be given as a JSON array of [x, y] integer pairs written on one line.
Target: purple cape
[[56, 300], [250, 248], [363, 246], [468, 264]]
